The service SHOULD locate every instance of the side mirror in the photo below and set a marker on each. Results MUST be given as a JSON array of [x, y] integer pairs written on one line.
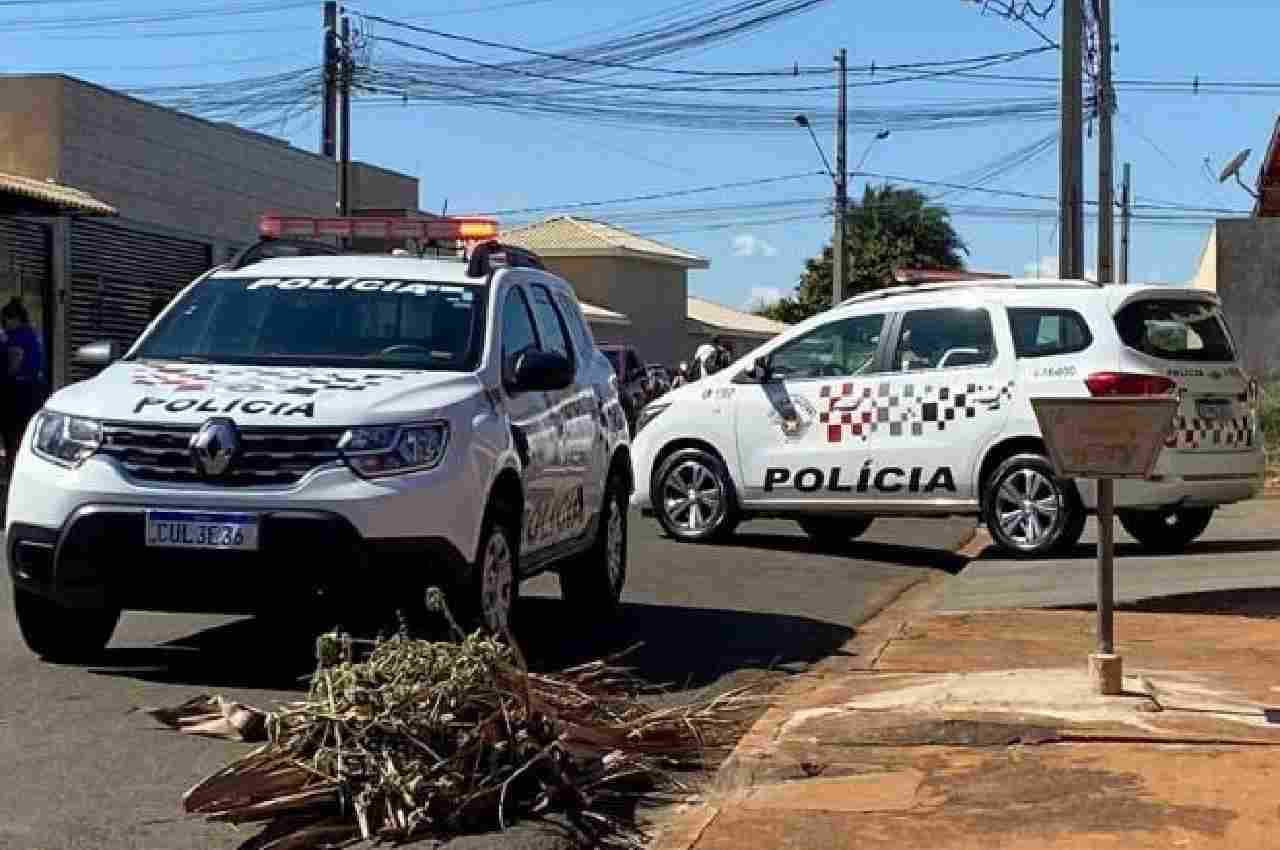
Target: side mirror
[[97, 354], [759, 373], [541, 371]]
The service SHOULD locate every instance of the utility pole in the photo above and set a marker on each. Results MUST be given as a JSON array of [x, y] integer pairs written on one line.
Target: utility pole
[[344, 113], [1126, 199], [1071, 148], [840, 246], [327, 116], [1106, 154]]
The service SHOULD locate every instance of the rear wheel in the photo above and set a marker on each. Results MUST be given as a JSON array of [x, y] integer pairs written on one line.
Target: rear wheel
[[57, 633], [835, 530], [1030, 511], [1168, 530], [592, 582], [693, 497]]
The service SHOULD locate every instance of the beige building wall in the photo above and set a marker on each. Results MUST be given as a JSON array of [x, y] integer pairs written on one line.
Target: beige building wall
[[1206, 276], [168, 170], [653, 295], [1247, 278]]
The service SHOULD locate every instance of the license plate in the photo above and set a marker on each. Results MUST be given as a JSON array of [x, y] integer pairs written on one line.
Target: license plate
[[186, 530], [1213, 409]]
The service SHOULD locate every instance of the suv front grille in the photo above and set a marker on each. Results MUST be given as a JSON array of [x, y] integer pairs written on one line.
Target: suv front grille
[[274, 456]]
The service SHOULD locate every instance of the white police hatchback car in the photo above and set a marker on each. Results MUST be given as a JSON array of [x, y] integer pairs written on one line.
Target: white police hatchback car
[[334, 423], [914, 401]]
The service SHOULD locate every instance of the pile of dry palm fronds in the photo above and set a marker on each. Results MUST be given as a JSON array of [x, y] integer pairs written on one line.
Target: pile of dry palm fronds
[[425, 738]]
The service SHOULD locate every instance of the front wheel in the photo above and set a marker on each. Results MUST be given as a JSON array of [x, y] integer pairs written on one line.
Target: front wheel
[[591, 583], [835, 530], [57, 633], [1168, 530], [487, 598], [1029, 511], [693, 497]]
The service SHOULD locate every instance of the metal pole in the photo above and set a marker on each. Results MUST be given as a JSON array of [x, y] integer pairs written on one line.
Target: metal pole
[[1106, 564], [1106, 184], [840, 243], [1070, 151], [344, 97], [327, 112], [1126, 198]]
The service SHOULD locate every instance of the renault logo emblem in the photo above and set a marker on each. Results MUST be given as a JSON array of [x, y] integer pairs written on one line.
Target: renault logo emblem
[[214, 446]]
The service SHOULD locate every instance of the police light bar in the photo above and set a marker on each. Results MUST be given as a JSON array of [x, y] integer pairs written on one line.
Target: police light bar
[[466, 229]]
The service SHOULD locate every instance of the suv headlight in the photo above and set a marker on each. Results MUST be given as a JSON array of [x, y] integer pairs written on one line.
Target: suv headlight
[[648, 413], [65, 440], [381, 450]]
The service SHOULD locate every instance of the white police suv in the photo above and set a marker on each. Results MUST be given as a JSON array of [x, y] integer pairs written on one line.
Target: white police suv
[[327, 422], [914, 401]]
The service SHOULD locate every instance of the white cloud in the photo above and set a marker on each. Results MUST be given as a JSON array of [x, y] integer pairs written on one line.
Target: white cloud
[[762, 296], [746, 245]]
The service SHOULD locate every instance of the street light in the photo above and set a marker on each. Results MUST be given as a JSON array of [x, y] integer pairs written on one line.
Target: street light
[[803, 121], [878, 137]]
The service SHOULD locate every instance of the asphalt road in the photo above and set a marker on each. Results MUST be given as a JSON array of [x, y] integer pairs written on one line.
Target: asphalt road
[[82, 771], [1239, 551]]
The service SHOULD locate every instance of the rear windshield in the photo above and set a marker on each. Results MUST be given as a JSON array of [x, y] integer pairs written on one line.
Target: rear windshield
[[1176, 330], [323, 322]]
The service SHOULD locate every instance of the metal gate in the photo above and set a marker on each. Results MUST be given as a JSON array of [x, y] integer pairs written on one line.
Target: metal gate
[[116, 276], [26, 270]]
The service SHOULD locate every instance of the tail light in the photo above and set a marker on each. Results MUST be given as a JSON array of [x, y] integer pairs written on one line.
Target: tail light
[[1125, 383]]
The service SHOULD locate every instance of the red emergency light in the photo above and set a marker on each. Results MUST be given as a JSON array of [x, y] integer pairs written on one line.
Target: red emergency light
[[464, 228]]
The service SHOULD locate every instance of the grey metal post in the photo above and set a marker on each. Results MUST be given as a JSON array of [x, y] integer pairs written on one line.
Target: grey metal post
[[344, 97], [1106, 155], [329, 108], [1070, 150], [1126, 199], [1106, 565], [840, 244]]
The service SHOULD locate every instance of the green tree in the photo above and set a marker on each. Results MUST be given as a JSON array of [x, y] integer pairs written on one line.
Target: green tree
[[890, 228]]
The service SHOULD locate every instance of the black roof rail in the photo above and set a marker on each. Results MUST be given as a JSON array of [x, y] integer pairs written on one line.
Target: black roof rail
[[269, 248], [482, 256]]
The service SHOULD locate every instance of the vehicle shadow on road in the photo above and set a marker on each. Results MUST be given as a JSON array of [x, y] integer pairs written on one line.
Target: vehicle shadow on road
[[671, 646], [890, 553], [1263, 603], [679, 647], [1089, 551]]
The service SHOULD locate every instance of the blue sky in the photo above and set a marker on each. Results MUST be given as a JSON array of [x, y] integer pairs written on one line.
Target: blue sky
[[481, 160]]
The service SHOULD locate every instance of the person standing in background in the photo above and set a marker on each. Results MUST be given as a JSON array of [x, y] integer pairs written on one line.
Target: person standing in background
[[24, 383]]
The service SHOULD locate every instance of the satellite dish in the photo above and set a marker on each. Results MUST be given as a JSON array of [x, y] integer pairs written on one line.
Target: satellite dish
[[1233, 167]]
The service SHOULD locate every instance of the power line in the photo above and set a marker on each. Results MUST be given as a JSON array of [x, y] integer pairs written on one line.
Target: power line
[[44, 24]]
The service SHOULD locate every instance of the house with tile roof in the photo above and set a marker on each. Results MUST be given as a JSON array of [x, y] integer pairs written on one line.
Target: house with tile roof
[[645, 280]]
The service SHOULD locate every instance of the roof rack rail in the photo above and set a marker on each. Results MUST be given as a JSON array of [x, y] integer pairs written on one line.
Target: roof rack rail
[[270, 247], [488, 255], [990, 283]]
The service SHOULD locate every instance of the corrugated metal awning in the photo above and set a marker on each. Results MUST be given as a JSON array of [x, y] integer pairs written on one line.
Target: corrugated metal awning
[[600, 316], [54, 194]]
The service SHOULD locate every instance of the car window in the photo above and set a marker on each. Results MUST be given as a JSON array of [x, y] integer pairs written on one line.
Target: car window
[[577, 327], [551, 328], [842, 348], [946, 338], [1176, 330], [518, 334], [1044, 332]]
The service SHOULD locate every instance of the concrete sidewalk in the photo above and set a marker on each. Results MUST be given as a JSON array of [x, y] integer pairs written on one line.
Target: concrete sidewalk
[[959, 731]]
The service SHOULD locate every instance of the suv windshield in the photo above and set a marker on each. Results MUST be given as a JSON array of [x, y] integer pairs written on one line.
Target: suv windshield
[[1174, 329], [323, 322]]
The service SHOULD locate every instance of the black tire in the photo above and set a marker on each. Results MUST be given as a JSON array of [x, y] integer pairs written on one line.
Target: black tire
[[1166, 531], [835, 530], [1056, 530], [58, 633], [723, 516], [472, 602], [591, 583]]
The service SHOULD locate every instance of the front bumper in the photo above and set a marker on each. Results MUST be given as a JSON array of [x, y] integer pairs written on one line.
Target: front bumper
[[98, 559]]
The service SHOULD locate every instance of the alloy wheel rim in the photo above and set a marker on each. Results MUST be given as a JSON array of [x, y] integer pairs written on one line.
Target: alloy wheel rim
[[497, 583], [692, 497], [614, 542], [1028, 505]]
